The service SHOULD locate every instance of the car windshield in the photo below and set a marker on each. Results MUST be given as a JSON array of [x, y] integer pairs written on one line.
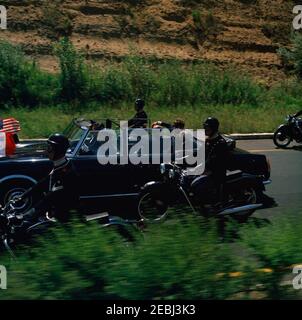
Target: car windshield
[[74, 134]]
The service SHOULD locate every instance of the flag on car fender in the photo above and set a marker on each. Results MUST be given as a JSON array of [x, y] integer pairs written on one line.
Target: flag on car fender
[[7, 144], [10, 125], [2, 144]]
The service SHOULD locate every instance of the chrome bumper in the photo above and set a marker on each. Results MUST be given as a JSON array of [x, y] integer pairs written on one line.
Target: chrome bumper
[[266, 182]]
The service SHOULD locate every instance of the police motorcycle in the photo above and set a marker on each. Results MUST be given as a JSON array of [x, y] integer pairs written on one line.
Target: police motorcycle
[[241, 195], [18, 228], [288, 132]]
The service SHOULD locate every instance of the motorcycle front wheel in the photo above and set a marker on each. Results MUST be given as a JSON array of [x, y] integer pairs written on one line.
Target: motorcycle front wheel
[[281, 138], [153, 207]]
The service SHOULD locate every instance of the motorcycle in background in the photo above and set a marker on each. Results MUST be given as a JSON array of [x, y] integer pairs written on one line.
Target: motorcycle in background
[[288, 132]]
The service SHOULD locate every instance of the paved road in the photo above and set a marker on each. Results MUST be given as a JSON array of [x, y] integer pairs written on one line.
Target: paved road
[[286, 187]]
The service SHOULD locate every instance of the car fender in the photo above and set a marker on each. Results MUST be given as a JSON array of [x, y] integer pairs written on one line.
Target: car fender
[[246, 180], [152, 186], [18, 177]]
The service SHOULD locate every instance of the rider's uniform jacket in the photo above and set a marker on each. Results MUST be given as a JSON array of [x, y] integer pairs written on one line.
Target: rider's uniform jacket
[[140, 120], [217, 156], [61, 195]]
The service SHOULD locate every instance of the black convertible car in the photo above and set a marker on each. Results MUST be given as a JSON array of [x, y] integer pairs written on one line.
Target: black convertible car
[[101, 187]]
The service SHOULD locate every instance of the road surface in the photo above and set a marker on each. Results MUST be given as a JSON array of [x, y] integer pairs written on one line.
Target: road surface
[[286, 187]]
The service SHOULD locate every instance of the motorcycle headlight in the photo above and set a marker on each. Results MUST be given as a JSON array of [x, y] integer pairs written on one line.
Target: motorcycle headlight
[[162, 168], [171, 173]]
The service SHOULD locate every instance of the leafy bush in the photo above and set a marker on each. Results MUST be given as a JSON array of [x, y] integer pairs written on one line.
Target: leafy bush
[[228, 87], [172, 84], [21, 82], [293, 57], [73, 78], [114, 86], [168, 83], [141, 76], [287, 92]]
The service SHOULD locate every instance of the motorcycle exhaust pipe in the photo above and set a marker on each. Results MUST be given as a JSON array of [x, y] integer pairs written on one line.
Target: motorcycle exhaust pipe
[[240, 209]]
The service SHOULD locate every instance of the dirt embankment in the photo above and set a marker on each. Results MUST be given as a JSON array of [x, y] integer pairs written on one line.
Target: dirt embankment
[[241, 32]]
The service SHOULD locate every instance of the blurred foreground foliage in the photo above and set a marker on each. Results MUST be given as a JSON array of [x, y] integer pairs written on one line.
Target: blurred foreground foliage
[[184, 258]]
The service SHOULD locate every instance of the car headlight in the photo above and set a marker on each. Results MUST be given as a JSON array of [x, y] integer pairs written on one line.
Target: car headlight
[[162, 168]]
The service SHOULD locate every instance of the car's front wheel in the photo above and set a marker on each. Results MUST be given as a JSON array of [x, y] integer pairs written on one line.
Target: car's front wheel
[[11, 190]]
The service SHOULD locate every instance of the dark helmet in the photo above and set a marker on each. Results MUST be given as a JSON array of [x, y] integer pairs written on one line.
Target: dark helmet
[[211, 123], [139, 103], [59, 143]]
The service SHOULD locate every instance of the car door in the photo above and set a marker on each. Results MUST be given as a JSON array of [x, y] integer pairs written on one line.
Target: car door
[[98, 180]]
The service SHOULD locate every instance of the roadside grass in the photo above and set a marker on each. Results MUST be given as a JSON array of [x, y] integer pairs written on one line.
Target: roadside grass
[[183, 258], [43, 121]]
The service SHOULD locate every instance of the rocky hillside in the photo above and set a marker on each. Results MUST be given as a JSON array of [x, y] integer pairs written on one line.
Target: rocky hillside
[[242, 32]]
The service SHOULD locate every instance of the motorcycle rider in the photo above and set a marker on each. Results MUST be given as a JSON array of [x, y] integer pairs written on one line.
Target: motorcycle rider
[[216, 159], [216, 151], [298, 114], [61, 196], [140, 119]]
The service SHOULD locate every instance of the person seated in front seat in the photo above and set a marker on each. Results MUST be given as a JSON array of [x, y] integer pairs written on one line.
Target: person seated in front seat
[[140, 120], [61, 195], [178, 124]]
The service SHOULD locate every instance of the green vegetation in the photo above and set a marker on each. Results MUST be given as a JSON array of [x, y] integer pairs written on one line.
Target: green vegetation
[[184, 258], [72, 79], [170, 89], [21, 82], [292, 58]]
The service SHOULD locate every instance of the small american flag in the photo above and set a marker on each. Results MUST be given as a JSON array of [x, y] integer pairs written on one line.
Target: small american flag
[[10, 125]]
